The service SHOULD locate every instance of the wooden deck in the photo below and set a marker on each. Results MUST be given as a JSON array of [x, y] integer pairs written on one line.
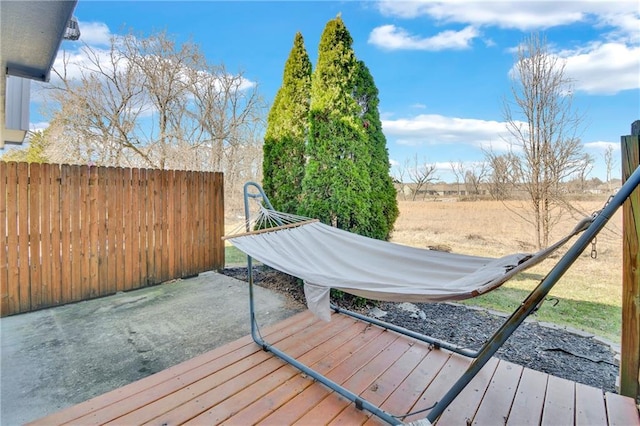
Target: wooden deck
[[240, 384]]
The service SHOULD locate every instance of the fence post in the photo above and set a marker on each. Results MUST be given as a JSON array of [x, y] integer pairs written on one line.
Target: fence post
[[630, 357]]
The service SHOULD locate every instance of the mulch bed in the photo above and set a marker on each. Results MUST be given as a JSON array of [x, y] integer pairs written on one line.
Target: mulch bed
[[558, 352]]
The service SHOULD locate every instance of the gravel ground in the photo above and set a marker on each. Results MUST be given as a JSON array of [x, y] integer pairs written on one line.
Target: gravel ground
[[559, 352]]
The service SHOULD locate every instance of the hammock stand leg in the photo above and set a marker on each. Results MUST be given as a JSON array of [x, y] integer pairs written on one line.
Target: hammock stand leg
[[360, 403], [490, 347], [538, 294]]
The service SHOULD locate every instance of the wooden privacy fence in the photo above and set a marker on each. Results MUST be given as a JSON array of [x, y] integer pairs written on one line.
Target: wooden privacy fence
[[72, 233]]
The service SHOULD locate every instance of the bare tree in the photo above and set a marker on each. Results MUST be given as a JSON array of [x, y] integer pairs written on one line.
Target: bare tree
[[421, 174], [401, 171], [148, 102], [502, 176], [609, 163], [474, 175], [228, 110], [544, 129], [162, 67], [583, 170], [458, 173]]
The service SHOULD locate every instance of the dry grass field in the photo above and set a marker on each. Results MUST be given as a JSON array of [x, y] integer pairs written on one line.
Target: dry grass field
[[588, 296]]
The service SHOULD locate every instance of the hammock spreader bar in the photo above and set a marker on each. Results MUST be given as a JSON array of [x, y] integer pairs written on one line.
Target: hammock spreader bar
[[488, 349]]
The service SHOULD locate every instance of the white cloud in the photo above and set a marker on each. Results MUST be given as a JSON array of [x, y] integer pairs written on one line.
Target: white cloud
[[434, 129], [599, 68], [489, 42], [78, 60], [592, 65], [395, 38], [94, 33], [604, 68], [95, 53], [602, 145], [625, 27], [523, 15], [41, 125]]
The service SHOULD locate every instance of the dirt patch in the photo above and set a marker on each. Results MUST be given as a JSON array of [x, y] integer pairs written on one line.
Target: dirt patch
[[562, 353]]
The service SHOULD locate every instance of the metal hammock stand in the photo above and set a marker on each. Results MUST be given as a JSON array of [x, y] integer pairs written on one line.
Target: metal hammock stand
[[488, 349]]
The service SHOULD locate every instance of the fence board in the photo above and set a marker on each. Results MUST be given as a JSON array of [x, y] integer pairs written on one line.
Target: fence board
[[45, 233], [56, 244], [195, 200], [71, 233], [157, 227], [176, 211], [111, 201], [13, 268], [166, 242], [195, 223], [131, 245], [193, 196], [142, 218], [102, 207], [120, 226], [34, 255], [84, 287], [184, 230], [76, 235], [4, 263], [198, 206], [23, 235], [151, 236], [65, 232], [125, 213], [202, 236], [170, 219], [94, 221], [206, 215]]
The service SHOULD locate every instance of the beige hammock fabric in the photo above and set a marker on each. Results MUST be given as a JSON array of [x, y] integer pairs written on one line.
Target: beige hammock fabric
[[326, 257]]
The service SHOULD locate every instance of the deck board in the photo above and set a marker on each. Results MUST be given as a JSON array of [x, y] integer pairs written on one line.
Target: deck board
[[498, 399], [317, 392], [403, 398], [276, 398], [464, 408], [590, 408], [448, 374], [240, 383], [620, 410], [559, 402], [529, 401]]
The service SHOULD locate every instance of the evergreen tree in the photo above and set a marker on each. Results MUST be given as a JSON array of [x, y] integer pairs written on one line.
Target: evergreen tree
[[34, 153], [284, 144], [337, 183], [384, 205]]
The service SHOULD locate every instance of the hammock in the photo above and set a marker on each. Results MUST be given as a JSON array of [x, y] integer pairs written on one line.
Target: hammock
[[326, 257]]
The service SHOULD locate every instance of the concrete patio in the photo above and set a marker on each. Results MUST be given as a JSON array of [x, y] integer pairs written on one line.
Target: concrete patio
[[58, 357]]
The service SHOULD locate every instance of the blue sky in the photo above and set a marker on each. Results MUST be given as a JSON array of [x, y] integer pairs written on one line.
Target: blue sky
[[442, 68]]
